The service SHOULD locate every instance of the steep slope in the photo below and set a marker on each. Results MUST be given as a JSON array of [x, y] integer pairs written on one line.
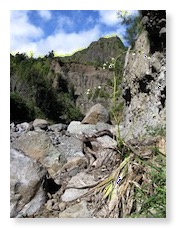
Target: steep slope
[[98, 52], [84, 70]]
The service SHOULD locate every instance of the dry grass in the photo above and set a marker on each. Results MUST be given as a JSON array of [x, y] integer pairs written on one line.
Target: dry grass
[[141, 192]]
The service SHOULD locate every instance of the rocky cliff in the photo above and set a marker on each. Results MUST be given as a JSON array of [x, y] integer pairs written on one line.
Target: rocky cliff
[[84, 70], [144, 79]]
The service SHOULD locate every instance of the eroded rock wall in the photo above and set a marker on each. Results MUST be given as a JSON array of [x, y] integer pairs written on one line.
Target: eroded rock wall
[[144, 79]]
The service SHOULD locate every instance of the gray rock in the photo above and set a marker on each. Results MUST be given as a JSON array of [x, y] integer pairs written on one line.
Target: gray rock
[[74, 165], [79, 210], [163, 30], [57, 127], [26, 193], [101, 126], [96, 114], [23, 127], [76, 127], [80, 180], [144, 90], [71, 146], [107, 142], [38, 146], [40, 124], [156, 61], [62, 206], [72, 194], [12, 127]]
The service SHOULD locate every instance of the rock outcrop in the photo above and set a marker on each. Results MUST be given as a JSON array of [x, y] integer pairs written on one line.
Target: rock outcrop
[[96, 114], [144, 82], [26, 192]]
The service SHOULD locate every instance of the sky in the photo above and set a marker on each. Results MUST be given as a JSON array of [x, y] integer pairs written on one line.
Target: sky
[[63, 31]]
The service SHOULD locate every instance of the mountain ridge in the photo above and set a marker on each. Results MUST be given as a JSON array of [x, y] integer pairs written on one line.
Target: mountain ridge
[[98, 52]]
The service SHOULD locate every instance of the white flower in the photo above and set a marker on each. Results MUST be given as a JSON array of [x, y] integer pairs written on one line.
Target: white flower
[[148, 58], [104, 68], [88, 90], [104, 64], [112, 59], [99, 87], [88, 93], [133, 53], [111, 65]]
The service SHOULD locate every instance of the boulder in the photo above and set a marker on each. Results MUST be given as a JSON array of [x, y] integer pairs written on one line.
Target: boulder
[[76, 127], [38, 146], [97, 113], [79, 210], [57, 127], [26, 192], [80, 180], [101, 126], [40, 124], [107, 142]]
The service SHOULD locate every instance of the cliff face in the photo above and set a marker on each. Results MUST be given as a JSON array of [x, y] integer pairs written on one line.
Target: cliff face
[[90, 85], [84, 71], [144, 79]]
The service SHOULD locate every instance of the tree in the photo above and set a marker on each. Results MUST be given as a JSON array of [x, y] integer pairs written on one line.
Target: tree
[[133, 25]]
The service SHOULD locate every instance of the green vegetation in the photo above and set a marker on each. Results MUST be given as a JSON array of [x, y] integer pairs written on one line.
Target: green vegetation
[[98, 52], [134, 27], [151, 197], [141, 191], [37, 91], [154, 131]]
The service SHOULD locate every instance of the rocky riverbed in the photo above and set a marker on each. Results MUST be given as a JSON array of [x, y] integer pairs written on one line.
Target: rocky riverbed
[[64, 171], [45, 159]]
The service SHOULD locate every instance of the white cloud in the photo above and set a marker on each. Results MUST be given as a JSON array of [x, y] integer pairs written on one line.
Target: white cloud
[[63, 43], [133, 12], [120, 32], [89, 20], [64, 21], [45, 14], [21, 30], [113, 17], [26, 37], [21, 27], [109, 17]]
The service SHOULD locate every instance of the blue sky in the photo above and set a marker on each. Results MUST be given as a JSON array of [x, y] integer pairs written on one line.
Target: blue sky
[[63, 31]]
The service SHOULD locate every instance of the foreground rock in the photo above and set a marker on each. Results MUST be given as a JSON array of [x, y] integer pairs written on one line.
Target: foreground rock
[[79, 210], [76, 127], [38, 146], [80, 180], [96, 114], [26, 175]]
